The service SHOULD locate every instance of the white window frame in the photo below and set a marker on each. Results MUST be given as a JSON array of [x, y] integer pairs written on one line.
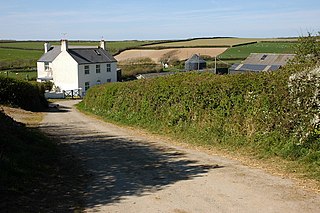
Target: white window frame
[[98, 68], [108, 80], [108, 67]]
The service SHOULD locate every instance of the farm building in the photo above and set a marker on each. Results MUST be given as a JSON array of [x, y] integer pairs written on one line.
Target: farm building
[[259, 62], [73, 68], [195, 63]]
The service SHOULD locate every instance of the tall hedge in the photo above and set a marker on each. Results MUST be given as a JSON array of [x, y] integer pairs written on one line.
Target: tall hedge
[[29, 96], [271, 113]]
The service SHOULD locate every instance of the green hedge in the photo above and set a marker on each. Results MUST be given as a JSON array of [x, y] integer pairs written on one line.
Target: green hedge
[[258, 111], [266, 114], [29, 96]]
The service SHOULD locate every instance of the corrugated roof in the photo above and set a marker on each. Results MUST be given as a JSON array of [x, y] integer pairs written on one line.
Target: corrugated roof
[[257, 62], [195, 59], [268, 59], [82, 55]]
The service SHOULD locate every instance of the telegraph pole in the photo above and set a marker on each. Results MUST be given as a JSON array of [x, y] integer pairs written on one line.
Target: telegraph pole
[[215, 65]]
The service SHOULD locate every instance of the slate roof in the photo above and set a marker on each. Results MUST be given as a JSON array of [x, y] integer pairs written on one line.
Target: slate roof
[[80, 55], [91, 55], [52, 53]]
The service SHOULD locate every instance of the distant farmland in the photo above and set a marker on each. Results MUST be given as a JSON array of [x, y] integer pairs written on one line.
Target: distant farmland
[[180, 53], [216, 42], [113, 46], [24, 54], [241, 52]]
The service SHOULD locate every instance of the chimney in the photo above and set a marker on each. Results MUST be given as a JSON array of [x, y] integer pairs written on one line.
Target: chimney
[[46, 47], [64, 45], [102, 44]]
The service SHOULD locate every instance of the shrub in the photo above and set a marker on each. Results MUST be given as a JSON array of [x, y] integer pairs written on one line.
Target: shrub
[[132, 67], [29, 96], [270, 113]]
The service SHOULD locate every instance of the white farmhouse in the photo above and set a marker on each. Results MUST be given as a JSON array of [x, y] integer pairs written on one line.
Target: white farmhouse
[[72, 68]]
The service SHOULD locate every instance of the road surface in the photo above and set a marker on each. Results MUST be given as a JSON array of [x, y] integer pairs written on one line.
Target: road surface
[[135, 172]]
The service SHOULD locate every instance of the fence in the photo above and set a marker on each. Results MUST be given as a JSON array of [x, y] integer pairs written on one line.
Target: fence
[[72, 93]]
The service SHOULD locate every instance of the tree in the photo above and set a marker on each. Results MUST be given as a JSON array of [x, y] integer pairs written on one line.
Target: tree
[[308, 49]]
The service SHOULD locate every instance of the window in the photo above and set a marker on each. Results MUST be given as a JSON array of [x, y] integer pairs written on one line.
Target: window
[[86, 69], [46, 66], [86, 86], [109, 80], [108, 67], [98, 82], [98, 68], [263, 57]]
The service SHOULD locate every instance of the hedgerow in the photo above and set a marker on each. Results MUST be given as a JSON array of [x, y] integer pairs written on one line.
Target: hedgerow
[[29, 96], [270, 113]]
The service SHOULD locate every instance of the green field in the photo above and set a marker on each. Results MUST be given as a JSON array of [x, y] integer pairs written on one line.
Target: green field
[[31, 75], [24, 54], [16, 54], [241, 52], [113, 46], [217, 42]]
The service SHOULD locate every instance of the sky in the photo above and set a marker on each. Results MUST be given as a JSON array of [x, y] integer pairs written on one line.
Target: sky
[[155, 20]]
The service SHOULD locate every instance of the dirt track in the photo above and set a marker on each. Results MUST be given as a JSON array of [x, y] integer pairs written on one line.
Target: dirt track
[[133, 172]]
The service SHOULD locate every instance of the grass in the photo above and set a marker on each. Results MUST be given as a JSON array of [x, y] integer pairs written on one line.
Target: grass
[[30, 75], [24, 54], [113, 46], [242, 52], [205, 42], [228, 42], [16, 54], [34, 170]]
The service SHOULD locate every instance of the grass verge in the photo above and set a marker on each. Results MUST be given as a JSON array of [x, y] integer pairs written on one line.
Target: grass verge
[[37, 174]]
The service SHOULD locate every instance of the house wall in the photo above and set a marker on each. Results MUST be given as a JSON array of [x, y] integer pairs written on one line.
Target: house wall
[[65, 72], [93, 77], [40, 70]]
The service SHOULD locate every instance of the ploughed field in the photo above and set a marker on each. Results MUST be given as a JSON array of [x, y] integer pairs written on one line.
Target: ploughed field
[[180, 53]]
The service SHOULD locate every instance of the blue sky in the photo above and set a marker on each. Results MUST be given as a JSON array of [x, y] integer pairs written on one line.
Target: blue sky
[[165, 19]]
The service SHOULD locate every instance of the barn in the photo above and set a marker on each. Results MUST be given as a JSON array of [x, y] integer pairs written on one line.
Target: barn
[[261, 62], [195, 63]]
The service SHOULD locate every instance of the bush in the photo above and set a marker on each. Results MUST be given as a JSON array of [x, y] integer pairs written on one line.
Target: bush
[[270, 113], [132, 67], [29, 96]]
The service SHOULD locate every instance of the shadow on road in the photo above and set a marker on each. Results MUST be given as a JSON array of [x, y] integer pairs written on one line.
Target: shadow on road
[[120, 166]]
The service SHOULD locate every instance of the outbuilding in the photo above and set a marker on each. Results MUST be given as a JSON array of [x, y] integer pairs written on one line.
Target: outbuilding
[[195, 63], [261, 62]]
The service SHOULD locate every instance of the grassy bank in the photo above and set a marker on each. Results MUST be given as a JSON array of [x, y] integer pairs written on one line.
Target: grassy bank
[[37, 174]]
